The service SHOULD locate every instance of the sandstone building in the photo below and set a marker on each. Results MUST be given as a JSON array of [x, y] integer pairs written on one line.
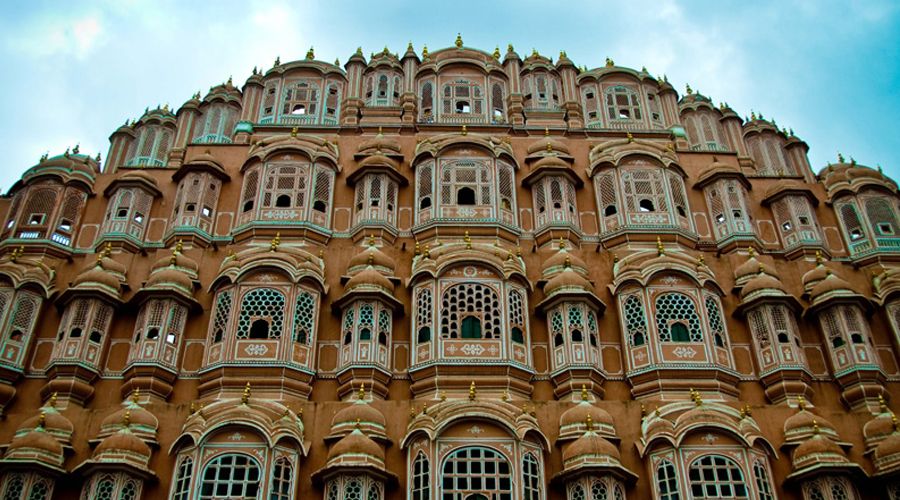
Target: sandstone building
[[454, 275]]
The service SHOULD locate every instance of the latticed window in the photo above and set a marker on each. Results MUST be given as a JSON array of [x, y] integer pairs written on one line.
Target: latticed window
[[517, 316], [221, 315], [635, 320], [262, 314], [181, 486], [704, 132], [591, 103], [25, 486], [305, 315], [282, 480], [474, 472], [424, 312], [196, 201], [829, 488], [366, 334], [376, 199], [19, 311], [426, 102], [795, 219], [644, 191], [82, 330], [498, 105], [462, 97], [531, 478], [470, 311], [128, 213], [541, 91], [715, 476], [267, 106], [466, 182], [218, 124], [158, 330], [355, 487], [667, 481], [230, 476], [285, 193], [763, 486], [853, 228], [424, 191], [882, 216], [727, 201], [554, 202], [506, 192], [46, 210], [768, 154], [622, 103], [677, 319], [151, 148], [113, 486], [845, 325], [383, 89], [300, 98], [421, 482], [716, 323]]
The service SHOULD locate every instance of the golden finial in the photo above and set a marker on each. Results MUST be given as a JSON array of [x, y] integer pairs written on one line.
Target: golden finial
[[193, 408], [743, 413], [881, 404], [245, 397], [42, 420], [700, 261], [412, 411], [549, 147], [496, 53], [610, 63], [273, 245], [362, 392], [629, 137], [752, 115], [615, 258], [534, 52], [525, 408], [589, 423], [418, 249], [427, 252], [53, 399], [472, 391], [643, 411], [310, 54], [689, 89], [562, 243], [819, 258], [584, 392], [107, 250], [816, 429], [505, 396], [696, 398], [370, 260], [458, 42], [464, 130], [656, 412], [748, 410], [840, 157], [567, 263], [562, 54], [357, 422], [761, 269], [751, 252], [337, 62], [136, 395], [443, 396], [468, 241], [424, 52], [546, 131], [801, 403], [660, 250], [294, 132], [126, 419], [76, 149], [509, 47], [518, 251], [425, 408]]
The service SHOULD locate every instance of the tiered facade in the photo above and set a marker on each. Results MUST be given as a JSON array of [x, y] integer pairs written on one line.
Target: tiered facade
[[455, 275]]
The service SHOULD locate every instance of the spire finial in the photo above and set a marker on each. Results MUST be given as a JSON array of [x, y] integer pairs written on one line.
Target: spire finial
[[610, 63], [310, 54], [424, 52], [273, 246], [589, 422], [660, 250], [509, 47], [751, 252], [459, 41], [496, 53], [816, 429], [472, 391], [819, 259], [42, 420], [584, 392], [801, 403], [294, 132], [136, 395], [468, 240], [245, 397], [643, 411], [362, 392], [126, 419], [465, 130], [562, 243], [688, 89], [840, 157], [53, 399]]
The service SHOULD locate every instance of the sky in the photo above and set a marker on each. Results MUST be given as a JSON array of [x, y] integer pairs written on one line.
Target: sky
[[72, 72]]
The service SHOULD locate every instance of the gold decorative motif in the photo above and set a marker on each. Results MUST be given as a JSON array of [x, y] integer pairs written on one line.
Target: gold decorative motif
[[584, 392], [610, 63], [496, 53], [472, 391], [459, 41], [310, 54], [245, 397], [660, 250], [273, 245]]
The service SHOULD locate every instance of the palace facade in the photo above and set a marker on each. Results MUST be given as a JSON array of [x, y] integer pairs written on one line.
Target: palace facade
[[454, 275]]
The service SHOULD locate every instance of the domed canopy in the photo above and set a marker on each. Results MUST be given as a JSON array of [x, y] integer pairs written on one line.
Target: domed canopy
[[749, 269], [356, 448], [593, 453], [176, 275], [573, 422], [36, 448], [140, 421], [883, 425], [803, 424], [105, 277], [843, 178], [371, 255], [887, 454], [359, 415]]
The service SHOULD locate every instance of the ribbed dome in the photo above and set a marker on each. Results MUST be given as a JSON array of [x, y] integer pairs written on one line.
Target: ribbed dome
[[369, 278], [169, 277], [123, 441], [802, 424], [136, 415], [590, 446], [358, 412], [831, 283], [567, 280], [558, 260], [138, 175], [97, 275], [356, 443], [53, 422], [378, 259], [876, 429], [750, 268], [37, 439], [761, 281], [890, 446], [573, 422], [818, 449], [815, 275]]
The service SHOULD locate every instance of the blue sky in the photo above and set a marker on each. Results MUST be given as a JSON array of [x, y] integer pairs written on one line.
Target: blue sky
[[74, 71]]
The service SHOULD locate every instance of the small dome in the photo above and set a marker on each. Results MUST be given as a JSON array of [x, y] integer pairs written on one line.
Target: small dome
[[138, 175], [890, 446], [750, 268], [357, 444], [815, 275], [123, 441], [557, 261], [831, 283], [573, 422], [802, 424], [567, 280], [97, 275], [818, 449], [875, 430], [169, 278], [137, 416], [360, 412], [760, 282], [378, 259], [54, 422], [37, 439], [590, 446], [369, 278]]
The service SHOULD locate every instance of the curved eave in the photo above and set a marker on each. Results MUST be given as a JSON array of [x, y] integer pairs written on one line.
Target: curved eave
[[377, 168], [109, 296], [325, 69], [435, 149], [132, 181], [779, 191], [319, 476], [784, 298], [542, 171], [182, 296], [619, 471], [713, 175], [838, 297], [854, 187], [91, 466], [201, 166], [823, 469], [367, 293], [571, 296]]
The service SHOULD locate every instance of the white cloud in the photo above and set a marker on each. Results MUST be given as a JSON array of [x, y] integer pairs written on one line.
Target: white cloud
[[77, 37]]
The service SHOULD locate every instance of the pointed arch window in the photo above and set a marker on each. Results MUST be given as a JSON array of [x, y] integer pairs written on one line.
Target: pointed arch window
[[716, 476], [282, 480], [622, 104], [531, 478], [151, 147], [667, 481], [421, 482], [471, 472], [181, 487], [230, 476], [677, 319]]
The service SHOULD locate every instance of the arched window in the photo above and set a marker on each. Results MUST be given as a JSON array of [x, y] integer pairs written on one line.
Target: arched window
[[462, 97], [282, 480], [763, 486], [531, 478], [25, 486], [426, 103], [593, 118], [498, 107], [677, 319], [716, 324], [622, 103], [151, 148], [300, 98], [517, 316], [882, 216], [424, 304], [262, 314], [421, 483], [667, 481], [635, 321], [230, 476], [304, 318], [218, 124], [470, 309], [599, 491], [715, 476], [476, 471], [181, 486], [577, 493]]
